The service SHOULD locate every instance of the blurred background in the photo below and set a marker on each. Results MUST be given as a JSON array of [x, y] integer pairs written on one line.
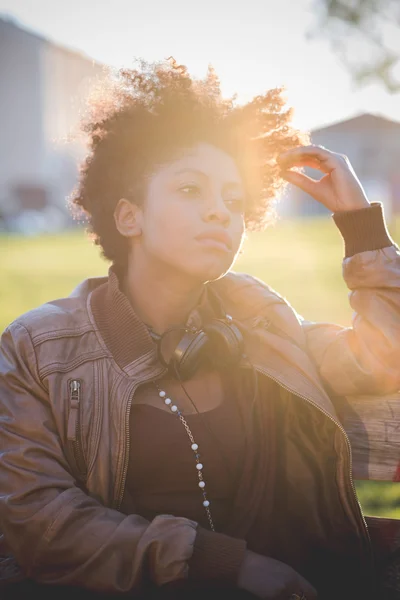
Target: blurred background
[[339, 61]]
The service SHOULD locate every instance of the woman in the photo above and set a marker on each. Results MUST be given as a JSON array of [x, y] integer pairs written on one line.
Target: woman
[[169, 430]]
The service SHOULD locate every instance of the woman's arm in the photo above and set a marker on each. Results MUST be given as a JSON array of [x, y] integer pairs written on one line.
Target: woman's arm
[[58, 533], [365, 358]]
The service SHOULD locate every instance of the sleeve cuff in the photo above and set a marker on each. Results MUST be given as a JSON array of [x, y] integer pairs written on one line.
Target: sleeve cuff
[[216, 557], [363, 229]]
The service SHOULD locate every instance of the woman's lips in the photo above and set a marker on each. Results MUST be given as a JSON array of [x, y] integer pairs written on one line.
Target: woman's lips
[[220, 240], [213, 243]]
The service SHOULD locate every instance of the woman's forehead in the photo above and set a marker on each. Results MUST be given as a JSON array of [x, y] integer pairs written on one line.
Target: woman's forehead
[[204, 159]]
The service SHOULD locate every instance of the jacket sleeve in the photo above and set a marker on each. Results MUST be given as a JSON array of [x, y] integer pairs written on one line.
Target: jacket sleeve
[[364, 358], [57, 532]]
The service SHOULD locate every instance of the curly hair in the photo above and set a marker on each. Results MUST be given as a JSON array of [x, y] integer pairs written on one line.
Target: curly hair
[[149, 115]]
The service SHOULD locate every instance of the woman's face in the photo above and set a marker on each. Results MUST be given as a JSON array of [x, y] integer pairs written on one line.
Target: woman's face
[[192, 217]]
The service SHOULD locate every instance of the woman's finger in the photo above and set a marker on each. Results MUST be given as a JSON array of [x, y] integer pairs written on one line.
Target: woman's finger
[[313, 163], [305, 156], [305, 183]]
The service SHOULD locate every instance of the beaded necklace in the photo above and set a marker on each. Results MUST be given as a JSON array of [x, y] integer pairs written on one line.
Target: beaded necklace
[[199, 466]]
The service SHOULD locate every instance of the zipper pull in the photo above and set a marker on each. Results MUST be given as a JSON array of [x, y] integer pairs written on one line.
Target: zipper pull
[[74, 400]]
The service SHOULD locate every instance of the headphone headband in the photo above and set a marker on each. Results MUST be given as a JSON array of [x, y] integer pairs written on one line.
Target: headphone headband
[[220, 342]]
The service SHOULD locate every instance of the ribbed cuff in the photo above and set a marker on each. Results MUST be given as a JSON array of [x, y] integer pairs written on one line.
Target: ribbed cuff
[[216, 557], [363, 229]]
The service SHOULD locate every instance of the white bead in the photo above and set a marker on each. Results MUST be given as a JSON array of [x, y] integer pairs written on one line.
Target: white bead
[[174, 408], [167, 401], [161, 393], [206, 503], [202, 484], [195, 447], [199, 466]]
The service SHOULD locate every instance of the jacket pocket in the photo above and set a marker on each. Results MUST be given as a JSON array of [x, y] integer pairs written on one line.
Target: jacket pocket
[[74, 433]]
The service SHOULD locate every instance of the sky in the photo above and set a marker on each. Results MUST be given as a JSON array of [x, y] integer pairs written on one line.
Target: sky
[[253, 45]]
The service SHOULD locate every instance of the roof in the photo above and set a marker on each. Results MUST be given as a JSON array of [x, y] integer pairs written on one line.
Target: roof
[[12, 23], [358, 122]]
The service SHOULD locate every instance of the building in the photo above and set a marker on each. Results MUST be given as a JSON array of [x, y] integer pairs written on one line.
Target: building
[[43, 87], [372, 144]]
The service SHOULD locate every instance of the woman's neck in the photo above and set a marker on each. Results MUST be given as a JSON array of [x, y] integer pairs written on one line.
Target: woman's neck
[[160, 299]]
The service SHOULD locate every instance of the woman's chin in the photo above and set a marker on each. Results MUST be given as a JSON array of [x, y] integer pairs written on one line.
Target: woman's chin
[[210, 272]]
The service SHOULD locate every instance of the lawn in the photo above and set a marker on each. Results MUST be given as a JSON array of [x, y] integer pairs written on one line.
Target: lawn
[[301, 260]]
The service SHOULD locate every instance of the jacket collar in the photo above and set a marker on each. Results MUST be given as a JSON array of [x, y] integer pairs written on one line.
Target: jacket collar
[[124, 333]]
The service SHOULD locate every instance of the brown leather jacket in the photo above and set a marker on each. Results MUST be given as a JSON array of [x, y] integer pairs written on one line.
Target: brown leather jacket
[[65, 396]]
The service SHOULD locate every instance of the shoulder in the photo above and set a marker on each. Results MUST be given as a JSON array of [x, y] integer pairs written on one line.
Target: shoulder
[[55, 336], [254, 303], [59, 317], [241, 290]]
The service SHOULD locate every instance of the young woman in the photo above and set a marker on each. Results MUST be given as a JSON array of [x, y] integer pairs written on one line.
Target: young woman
[[170, 430]]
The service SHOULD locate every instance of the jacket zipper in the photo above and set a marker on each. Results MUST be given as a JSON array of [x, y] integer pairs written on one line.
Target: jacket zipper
[[127, 437], [349, 456], [74, 422]]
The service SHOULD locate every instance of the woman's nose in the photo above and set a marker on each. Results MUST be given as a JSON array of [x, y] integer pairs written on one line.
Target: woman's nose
[[218, 212]]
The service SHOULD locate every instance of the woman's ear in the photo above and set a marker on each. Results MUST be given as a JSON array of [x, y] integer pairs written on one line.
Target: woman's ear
[[128, 218]]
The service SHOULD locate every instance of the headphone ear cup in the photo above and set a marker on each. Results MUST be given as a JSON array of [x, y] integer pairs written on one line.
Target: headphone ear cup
[[188, 354], [226, 343]]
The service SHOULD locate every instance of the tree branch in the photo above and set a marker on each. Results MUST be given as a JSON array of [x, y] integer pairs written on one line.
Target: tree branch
[[345, 20]]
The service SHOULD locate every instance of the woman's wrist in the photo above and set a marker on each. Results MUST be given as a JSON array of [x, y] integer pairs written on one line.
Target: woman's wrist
[[216, 557], [363, 229]]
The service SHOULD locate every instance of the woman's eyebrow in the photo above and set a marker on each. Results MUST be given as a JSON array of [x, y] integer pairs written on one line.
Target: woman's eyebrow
[[190, 170], [233, 184]]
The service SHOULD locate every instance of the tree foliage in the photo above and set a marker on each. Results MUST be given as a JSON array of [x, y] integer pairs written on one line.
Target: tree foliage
[[366, 34]]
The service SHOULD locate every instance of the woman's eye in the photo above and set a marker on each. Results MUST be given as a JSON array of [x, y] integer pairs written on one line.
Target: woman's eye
[[235, 204], [190, 189]]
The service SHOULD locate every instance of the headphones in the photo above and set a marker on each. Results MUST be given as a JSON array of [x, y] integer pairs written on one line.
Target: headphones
[[220, 343]]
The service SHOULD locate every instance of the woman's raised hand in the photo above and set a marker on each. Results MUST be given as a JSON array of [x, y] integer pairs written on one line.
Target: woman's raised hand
[[339, 189]]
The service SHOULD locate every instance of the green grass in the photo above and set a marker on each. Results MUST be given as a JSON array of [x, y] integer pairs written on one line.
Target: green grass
[[301, 260]]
